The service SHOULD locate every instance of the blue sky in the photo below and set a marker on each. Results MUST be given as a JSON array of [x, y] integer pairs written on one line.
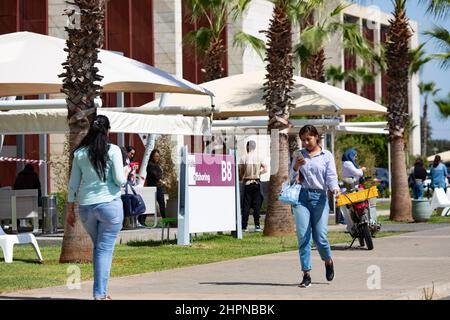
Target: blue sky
[[431, 71]]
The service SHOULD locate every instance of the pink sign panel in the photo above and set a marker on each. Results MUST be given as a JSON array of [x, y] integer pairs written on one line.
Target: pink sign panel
[[207, 170]]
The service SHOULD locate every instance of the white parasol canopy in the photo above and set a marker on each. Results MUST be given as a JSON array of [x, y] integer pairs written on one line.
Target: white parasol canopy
[[40, 121], [241, 95], [445, 156], [30, 64]]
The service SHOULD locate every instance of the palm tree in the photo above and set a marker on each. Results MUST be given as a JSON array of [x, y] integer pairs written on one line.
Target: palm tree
[[335, 75], [441, 37], [310, 51], [398, 62], [444, 106], [360, 74], [277, 88], [207, 41], [427, 89], [79, 86]]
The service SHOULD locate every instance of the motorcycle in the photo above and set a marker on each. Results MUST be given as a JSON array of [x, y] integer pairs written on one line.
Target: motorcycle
[[357, 202]]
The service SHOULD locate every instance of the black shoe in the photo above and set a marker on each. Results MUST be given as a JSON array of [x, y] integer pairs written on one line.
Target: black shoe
[[329, 271], [306, 282]]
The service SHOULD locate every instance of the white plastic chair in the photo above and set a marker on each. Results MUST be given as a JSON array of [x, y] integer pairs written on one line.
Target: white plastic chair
[[441, 200], [7, 242]]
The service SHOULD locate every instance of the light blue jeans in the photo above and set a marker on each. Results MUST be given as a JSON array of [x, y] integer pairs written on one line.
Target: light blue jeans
[[311, 220], [102, 222], [418, 190]]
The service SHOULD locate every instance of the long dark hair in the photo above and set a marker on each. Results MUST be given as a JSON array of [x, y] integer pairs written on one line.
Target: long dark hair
[[97, 143], [437, 160], [152, 155]]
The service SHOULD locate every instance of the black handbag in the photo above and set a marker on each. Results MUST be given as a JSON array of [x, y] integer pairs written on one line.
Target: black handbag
[[133, 204]]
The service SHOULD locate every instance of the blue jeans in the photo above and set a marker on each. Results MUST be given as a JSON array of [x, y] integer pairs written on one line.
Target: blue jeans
[[102, 222], [311, 219], [418, 190]]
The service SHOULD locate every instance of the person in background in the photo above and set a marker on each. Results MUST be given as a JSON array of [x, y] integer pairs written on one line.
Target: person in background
[[28, 179], [154, 179], [131, 152], [250, 170], [420, 175], [351, 173], [438, 173], [318, 173], [96, 178]]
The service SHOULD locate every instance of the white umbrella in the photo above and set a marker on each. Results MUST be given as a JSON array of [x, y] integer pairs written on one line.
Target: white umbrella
[[241, 95], [30, 64], [50, 121], [445, 156]]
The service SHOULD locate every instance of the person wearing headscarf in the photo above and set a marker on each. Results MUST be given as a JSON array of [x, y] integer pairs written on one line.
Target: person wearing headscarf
[[351, 173], [350, 169]]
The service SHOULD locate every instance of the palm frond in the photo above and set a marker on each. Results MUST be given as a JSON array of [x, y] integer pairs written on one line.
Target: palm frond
[[301, 53], [440, 36], [314, 38], [245, 40], [239, 8], [428, 88], [444, 106], [199, 39], [438, 8], [418, 59], [341, 7], [334, 74]]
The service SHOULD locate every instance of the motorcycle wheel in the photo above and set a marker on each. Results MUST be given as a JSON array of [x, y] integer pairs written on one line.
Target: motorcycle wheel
[[367, 236]]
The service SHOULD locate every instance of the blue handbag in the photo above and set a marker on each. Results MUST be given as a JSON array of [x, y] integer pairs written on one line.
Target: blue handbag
[[133, 204], [290, 193]]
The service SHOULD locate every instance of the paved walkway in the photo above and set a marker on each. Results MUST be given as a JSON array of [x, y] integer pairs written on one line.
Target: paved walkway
[[399, 267]]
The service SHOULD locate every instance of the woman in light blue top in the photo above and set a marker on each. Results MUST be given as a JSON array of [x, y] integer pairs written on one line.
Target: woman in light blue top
[[438, 172], [315, 169], [96, 178]]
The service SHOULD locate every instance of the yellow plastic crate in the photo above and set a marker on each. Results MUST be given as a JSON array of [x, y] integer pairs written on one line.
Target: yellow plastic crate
[[348, 198]]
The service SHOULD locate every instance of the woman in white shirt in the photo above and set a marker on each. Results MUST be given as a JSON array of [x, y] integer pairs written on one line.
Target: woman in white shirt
[[351, 173]]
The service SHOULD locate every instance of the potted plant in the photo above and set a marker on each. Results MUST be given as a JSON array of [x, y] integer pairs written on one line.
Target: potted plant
[[421, 210]]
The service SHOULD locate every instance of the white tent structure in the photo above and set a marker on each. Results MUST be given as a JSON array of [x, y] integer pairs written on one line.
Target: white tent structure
[[30, 64], [50, 121], [241, 95]]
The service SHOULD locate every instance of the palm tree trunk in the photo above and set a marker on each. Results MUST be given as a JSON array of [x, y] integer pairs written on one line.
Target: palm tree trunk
[[79, 86], [279, 220], [400, 199], [277, 88], [213, 60], [398, 61], [425, 127], [315, 69]]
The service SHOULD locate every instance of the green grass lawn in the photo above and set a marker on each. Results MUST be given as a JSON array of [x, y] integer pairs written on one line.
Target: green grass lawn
[[383, 206], [433, 219], [141, 257]]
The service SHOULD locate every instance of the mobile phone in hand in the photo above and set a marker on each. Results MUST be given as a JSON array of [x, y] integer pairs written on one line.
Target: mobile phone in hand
[[298, 155]]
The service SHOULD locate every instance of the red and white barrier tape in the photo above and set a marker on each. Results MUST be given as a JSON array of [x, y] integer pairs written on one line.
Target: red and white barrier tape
[[8, 159]]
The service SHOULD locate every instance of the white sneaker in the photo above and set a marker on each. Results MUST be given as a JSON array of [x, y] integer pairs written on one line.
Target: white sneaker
[[258, 229]]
